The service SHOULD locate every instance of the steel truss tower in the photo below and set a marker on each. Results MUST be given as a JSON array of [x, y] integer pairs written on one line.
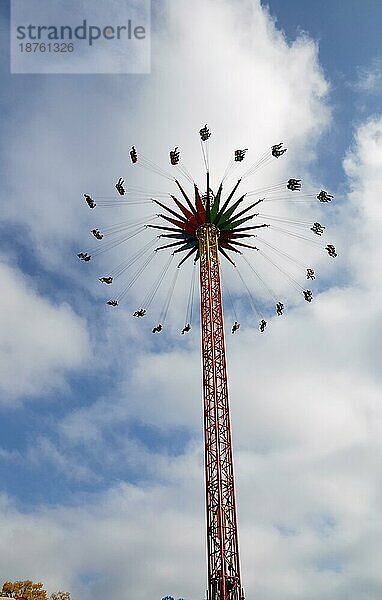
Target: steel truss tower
[[224, 580]]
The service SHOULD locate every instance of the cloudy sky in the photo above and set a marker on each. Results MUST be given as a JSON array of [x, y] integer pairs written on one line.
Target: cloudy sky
[[100, 421]]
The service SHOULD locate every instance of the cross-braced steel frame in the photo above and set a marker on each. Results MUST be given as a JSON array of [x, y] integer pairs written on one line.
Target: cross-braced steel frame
[[224, 580]]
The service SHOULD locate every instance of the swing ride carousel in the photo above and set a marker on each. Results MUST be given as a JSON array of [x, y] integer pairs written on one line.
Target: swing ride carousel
[[246, 235], [209, 228]]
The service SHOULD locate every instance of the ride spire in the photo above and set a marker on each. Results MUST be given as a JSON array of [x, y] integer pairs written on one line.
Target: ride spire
[[205, 226]]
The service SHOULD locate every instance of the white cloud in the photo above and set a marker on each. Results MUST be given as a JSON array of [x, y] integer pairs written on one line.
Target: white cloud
[[45, 452], [125, 537], [307, 423], [363, 167], [250, 82], [370, 78], [41, 341]]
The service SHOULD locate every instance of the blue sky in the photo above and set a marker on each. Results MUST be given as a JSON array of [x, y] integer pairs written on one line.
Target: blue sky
[[100, 422]]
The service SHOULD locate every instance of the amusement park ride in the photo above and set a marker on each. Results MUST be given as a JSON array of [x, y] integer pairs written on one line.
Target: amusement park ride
[[205, 227]]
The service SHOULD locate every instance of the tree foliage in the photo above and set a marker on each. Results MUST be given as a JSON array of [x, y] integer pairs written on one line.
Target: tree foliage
[[60, 596], [28, 590]]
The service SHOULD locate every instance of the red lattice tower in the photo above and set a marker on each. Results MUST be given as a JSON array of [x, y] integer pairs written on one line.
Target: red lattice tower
[[224, 580]]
